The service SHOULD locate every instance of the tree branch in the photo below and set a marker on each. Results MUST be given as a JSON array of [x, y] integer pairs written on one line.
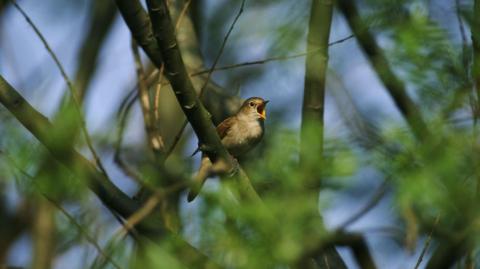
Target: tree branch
[[103, 15], [394, 86], [177, 74], [209, 74], [49, 136], [151, 227], [154, 138], [77, 111], [315, 74], [355, 241], [44, 235], [141, 28], [312, 114]]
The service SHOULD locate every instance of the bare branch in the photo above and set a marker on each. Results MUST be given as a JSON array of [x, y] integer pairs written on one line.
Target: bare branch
[[84, 232], [80, 228], [209, 74], [103, 16], [356, 242], [191, 105], [112, 197], [44, 240], [374, 200], [46, 133], [177, 74], [154, 138], [394, 86], [75, 102], [156, 99], [141, 28], [271, 59], [427, 244], [182, 14]]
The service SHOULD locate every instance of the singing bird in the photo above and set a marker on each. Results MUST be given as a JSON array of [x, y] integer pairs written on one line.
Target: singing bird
[[239, 134]]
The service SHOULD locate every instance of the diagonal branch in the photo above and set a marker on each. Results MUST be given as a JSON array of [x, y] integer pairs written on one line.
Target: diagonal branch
[[354, 241], [209, 74], [112, 197], [48, 135], [76, 105], [141, 28], [79, 227], [394, 86], [183, 88], [190, 103]]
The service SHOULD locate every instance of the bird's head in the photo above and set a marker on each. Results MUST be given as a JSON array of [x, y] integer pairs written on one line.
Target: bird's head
[[254, 107]]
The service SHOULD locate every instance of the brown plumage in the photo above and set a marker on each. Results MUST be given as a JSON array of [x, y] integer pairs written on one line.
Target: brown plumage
[[239, 134]]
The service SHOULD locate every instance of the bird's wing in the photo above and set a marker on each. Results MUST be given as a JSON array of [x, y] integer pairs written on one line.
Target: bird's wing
[[224, 127], [222, 130]]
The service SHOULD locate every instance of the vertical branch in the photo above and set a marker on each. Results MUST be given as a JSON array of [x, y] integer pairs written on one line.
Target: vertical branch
[[44, 236], [154, 138], [315, 73], [313, 107], [103, 15]]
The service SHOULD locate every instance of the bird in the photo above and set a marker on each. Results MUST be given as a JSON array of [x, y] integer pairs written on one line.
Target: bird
[[238, 133]]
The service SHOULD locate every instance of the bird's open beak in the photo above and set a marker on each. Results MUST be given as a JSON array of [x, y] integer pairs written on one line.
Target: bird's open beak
[[262, 111]]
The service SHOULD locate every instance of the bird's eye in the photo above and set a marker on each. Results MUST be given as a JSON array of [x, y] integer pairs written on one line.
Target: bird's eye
[[252, 104]]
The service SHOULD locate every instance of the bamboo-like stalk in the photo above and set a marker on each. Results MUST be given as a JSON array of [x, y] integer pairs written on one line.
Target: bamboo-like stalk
[[315, 73], [313, 111]]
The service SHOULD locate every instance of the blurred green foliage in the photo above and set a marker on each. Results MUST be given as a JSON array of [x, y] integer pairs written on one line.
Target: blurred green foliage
[[436, 178]]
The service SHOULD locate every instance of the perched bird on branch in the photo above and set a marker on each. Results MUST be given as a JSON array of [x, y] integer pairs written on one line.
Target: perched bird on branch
[[239, 134]]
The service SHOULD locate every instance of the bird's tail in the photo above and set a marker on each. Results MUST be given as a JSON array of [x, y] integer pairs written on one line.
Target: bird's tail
[[199, 178]]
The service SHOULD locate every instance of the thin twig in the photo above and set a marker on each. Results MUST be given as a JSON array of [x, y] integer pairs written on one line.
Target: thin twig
[[182, 14], [76, 104], [272, 59], [157, 95], [45, 43], [138, 216], [374, 200], [154, 138], [89, 238], [156, 197], [244, 64], [122, 116], [427, 244], [209, 74]]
